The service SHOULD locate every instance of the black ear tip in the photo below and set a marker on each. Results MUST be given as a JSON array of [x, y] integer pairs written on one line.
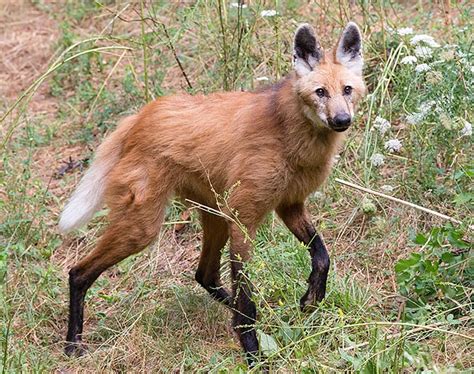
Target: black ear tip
[[305, 38], [352, 28], [352, 36], [307, 51], [304, 29]]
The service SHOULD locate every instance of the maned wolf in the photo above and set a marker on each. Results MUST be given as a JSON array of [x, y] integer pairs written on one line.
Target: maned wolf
[[270, 148]]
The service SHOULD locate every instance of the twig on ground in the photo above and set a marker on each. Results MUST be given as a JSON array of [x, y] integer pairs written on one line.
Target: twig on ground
[[407, 203]]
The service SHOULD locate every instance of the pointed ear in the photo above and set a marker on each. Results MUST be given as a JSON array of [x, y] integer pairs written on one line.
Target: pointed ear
[[349, 49], [307, 51]]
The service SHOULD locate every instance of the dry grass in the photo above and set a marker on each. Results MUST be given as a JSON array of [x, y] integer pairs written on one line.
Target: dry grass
[[27, 43]]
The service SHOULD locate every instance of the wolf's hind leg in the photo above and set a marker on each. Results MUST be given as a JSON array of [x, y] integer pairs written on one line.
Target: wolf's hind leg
[[135, 221], [215, 235]]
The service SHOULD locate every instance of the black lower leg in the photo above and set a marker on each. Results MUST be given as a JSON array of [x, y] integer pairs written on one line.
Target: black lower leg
[[320, 267], [78, 286], [245, 313], [298, 221], [215, 289], [244, 324], [219, 293]]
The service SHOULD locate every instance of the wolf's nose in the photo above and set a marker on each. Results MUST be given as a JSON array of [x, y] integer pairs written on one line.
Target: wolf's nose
[[342, 120]]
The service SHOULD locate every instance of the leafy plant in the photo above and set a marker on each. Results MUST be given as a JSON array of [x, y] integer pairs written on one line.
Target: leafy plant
[[440, 277]]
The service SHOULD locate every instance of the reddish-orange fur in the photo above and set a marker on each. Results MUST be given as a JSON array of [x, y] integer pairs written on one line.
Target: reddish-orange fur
[[260, 147], [256, 144]]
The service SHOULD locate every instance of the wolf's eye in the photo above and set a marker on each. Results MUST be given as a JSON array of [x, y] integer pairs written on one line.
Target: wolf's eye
[[347, 90], [320, 92]]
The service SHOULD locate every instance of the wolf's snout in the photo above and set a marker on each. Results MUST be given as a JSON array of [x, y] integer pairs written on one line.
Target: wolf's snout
[[341, 121]]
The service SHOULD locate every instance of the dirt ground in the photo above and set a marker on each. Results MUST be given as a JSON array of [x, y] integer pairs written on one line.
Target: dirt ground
[[27, 37]]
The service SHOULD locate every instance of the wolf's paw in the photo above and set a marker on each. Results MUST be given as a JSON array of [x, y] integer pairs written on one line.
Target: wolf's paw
[[76, 349], [312, 297]]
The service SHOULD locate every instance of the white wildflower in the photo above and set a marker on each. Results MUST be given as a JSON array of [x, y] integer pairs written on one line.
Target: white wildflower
[[387, 188], [414, 118], [422, 67], [260, 79], [393, 145], [409, 60], [377, 159], [467, 129], [382, 125], [318, 195], [425, 107], [268, 13], [472, 69], [432, 43], [423, 110], [462, 56], [405, 31], [423, 52], [427, 39], [236, 5]]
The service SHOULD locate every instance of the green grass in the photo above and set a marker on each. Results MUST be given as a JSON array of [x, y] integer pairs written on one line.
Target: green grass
[[400, 287]]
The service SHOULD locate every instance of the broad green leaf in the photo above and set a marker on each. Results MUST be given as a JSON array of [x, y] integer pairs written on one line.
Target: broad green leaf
[[268, 344], [405, 264]]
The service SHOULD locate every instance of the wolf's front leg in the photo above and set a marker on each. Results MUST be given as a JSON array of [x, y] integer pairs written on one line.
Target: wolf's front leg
[[319, 273], [244, 308], [296, 218]]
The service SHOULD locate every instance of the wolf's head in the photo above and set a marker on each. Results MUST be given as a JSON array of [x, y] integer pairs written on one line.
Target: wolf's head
[[329, 85]]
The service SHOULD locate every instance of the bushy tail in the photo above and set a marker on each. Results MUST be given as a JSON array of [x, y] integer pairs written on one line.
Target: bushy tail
[[88, 197]]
